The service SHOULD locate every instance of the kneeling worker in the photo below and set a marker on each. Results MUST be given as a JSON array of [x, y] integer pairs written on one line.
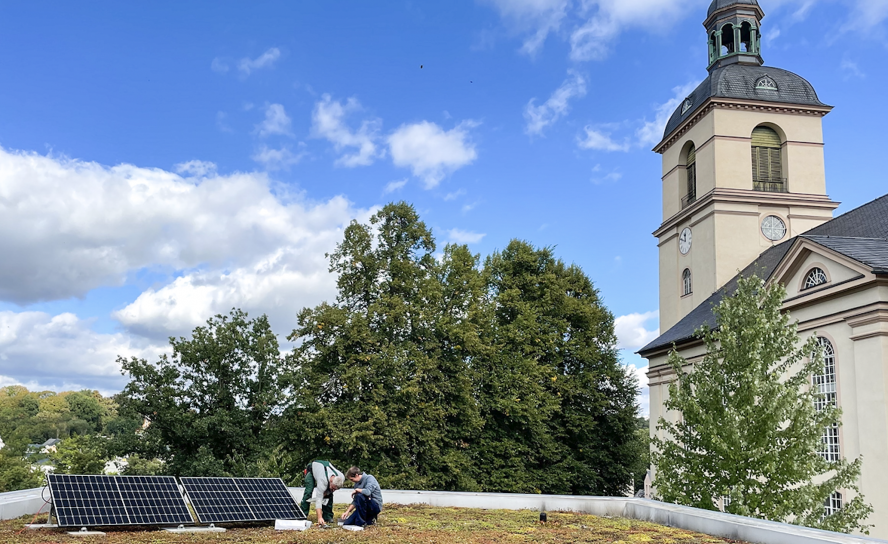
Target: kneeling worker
[[322, 478], [367, 499]]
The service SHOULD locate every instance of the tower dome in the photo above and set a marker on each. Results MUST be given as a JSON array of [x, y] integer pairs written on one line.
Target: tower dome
[[718, 5]]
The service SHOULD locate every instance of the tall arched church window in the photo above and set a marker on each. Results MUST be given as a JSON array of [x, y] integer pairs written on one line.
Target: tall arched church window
[[691, 170], [832, 504], [767, 164], [816, 276], [825, 385], [686, 287]]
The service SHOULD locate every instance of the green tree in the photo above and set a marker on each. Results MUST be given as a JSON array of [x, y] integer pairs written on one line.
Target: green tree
[[137, 466], [83, 454], [16, 473], [748, 429], [642, 456], [382, 375], [87, 405], [211, 406], [559, 409]]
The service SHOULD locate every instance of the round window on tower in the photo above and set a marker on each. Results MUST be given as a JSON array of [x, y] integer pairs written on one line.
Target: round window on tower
[[773, 228]]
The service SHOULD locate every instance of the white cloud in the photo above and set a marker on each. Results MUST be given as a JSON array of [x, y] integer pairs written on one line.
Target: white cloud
[[454, 195], [600, 141], [265, 60], [219, 66], [430, 151], [277, 159], [276, 121], [279, 285], [631, 332], [80, 225], [229, 241], [459, 236], [546, 114], [393, 186], [196, 168], [851, 69], [593, 26], [867, 15], [593, 39], [539, 18], [651, 132], [328, 121], [60, 352]]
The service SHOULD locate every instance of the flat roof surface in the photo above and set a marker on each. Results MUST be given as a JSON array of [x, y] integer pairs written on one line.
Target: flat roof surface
[[413, 523]]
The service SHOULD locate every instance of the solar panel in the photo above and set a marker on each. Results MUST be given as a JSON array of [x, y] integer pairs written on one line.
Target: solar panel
[[94, 501], [221, 500]]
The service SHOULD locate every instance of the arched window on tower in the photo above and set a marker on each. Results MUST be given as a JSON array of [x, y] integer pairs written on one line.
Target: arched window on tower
[[686, 287], [746, 38], [825, 385], [691, 176], [767, 163], [727, 40]]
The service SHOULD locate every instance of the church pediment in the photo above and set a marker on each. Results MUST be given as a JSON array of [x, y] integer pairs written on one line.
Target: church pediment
[[810, 269]]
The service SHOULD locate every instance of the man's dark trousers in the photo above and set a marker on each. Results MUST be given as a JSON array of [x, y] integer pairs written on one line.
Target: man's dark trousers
[[365, 512], [326, 509]]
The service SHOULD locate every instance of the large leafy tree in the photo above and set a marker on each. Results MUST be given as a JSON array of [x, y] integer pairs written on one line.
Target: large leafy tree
[[210, 408], [559, 409], [382, 374], [16, 473], [748, 429]]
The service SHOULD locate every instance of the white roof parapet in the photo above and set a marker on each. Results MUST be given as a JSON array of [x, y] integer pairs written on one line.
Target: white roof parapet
[[719, 524]]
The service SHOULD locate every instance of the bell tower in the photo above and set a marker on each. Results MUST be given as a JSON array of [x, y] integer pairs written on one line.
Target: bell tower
[[742, 164]]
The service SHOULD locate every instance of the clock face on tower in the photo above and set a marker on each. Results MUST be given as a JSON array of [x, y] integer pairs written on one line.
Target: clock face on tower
[[684, 241]]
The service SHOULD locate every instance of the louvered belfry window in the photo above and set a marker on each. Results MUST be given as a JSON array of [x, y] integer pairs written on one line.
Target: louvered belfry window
[[767, 164], [692, 176]]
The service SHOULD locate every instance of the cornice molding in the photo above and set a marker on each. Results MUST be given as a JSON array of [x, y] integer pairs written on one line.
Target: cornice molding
[[747, 196], [736, 104]]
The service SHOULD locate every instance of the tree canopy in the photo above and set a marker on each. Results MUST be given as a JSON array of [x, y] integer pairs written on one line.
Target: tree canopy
[[382, 374], [208, 409], [748, 430], [442, 374]]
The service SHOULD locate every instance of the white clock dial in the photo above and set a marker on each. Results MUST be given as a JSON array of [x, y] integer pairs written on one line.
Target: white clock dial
[[684, 241]]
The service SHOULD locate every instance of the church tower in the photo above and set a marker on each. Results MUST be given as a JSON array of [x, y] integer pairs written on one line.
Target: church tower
[[742, 164]]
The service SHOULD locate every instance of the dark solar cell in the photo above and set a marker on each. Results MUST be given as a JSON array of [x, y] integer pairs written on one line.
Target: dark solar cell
[[220, 500], [93, 501]]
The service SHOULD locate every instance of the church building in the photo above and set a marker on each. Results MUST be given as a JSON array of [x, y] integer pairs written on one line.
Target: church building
[[744, 190]]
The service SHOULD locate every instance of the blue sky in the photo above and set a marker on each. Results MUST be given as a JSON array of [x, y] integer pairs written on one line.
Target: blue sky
[[162, 162]]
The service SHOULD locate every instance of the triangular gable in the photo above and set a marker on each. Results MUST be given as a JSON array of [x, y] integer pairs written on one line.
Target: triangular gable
[[803, 256]]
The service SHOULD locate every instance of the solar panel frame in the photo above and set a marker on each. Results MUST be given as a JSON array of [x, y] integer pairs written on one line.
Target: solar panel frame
[[100, 501], [231, 500]]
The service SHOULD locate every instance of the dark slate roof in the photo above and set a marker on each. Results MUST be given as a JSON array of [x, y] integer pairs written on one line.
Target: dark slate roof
[[702, 315], [860, 234], [738, 81], [720, 4], [867, 221], [872, 252]]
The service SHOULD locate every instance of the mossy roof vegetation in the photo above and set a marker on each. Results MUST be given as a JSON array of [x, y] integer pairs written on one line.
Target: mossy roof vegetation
[[401, 524]]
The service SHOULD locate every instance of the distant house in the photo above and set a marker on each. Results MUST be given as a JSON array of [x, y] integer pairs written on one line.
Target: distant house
[[47, 447]]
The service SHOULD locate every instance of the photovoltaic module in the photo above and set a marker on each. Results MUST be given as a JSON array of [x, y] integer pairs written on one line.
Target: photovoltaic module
[[95, 501], [221, 500]]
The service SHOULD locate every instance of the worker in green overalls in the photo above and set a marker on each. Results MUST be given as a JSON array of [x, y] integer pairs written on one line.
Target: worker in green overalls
[[321, 479]]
